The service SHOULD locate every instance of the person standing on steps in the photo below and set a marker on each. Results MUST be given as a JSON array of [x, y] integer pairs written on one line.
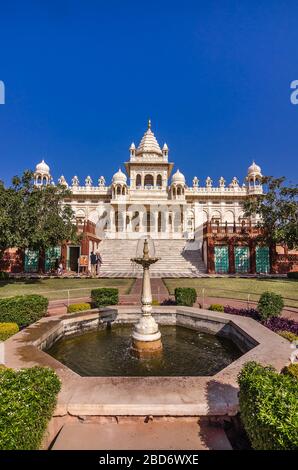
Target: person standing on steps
[[93, 261], [98, 262]]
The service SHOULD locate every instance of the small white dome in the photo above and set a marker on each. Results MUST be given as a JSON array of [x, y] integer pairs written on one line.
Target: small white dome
[[254, 169], [165, 147], [42, 167], [132, 147], [178, 177], [119, 177]]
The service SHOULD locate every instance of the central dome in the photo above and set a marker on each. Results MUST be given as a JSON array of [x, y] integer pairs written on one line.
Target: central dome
[[149, 143]]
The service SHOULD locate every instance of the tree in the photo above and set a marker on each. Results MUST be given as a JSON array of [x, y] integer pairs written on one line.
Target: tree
[[278, 211], [34, 217]]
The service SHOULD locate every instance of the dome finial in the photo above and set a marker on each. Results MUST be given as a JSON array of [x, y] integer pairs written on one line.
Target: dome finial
[[149, 123]]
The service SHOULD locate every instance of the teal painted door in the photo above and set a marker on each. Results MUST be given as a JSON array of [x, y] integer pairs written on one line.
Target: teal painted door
[[31, 261], [241, 259], [262, 259], [52, 254], [221, 255]]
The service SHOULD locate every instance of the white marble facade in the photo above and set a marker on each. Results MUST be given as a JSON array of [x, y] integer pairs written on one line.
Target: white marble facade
[[147, 198]]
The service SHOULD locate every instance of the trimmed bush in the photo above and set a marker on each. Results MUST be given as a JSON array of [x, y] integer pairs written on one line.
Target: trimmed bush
[[281, 324], [185, 296], [291, 370], [72, 308], [7, 330], [292, 275], [105, 296], [27, 401], [4, 276], [216, 308], [288, 335], [268, 407], [23, 309], [270, 305]]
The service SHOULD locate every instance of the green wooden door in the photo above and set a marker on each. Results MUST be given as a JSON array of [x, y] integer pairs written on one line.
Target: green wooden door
[[52, 254], [262, 259], [241, 259], [221, 255], [31, 261]]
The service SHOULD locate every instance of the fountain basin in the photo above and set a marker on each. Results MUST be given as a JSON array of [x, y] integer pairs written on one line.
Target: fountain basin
[[106, 352], [215, 395]]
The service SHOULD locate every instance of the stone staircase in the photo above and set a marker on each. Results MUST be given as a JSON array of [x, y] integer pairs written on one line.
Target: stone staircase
[[178, 259]]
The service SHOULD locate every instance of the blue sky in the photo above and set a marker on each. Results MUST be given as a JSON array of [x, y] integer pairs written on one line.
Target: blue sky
[[83, 77]]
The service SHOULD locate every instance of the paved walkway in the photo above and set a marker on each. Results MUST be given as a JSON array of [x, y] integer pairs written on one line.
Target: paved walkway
[[169, 434]]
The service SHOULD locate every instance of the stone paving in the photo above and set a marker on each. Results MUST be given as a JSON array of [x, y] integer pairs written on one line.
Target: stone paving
[[170, 434]]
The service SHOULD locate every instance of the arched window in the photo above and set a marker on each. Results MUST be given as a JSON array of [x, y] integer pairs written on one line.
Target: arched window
[[138, 181], [149, 180], [44, 180], [229, 217], [118, 189], [159, 180], [179, 191]]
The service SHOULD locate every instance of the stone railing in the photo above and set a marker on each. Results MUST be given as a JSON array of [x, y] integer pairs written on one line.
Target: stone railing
[[219, 228]]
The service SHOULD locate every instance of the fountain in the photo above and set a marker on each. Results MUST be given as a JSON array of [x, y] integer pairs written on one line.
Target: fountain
[[146, 337]]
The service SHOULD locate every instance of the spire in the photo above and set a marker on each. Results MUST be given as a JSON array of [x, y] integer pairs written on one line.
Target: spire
[[149, 143]]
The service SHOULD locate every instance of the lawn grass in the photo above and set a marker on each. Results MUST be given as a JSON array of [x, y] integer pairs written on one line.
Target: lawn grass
[[55, 289], [239, 288]]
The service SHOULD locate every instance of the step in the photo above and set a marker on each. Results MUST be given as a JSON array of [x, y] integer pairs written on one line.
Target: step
[[171, 434], [175, 262]]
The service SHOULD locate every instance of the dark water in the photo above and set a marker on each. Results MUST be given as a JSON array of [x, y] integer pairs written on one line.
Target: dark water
[[106, 353]]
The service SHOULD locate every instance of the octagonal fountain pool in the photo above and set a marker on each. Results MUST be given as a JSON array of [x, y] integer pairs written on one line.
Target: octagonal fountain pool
[[107, 352]]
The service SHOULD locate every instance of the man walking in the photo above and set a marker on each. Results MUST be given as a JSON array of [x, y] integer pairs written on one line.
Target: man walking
[[93, 262]]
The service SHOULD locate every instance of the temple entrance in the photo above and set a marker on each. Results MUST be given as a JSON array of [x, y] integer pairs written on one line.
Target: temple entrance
[[73, 257]]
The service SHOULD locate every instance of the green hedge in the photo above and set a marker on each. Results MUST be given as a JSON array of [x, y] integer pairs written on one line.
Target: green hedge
[[270, 305], [105, 296], [4, 276], [185, 296], [217, 308], [7, 330], [269, 407], [292, 275], [72, 308], [23, 309], [27, 401]]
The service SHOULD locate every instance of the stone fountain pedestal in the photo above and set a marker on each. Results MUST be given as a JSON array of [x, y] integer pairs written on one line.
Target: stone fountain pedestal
[[146, 337]]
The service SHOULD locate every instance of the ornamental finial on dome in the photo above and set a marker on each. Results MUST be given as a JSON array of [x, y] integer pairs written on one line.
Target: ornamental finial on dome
[[149, 123]]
